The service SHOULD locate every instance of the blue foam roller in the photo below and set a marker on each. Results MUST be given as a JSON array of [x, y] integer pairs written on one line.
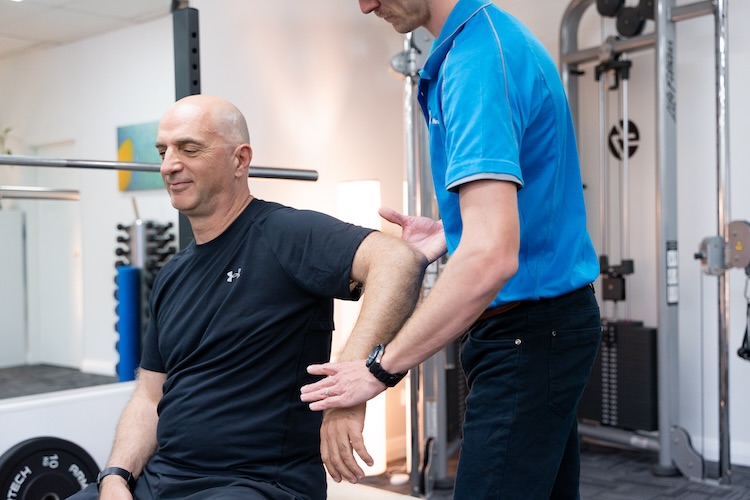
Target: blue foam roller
[[129, 326]]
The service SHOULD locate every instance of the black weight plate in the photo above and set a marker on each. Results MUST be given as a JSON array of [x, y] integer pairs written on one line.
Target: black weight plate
[[609, 8], [647, 8], [45, 468], [630, 22]]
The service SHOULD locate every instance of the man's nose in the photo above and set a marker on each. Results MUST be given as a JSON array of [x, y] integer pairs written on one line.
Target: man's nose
[[169, 162], [367, 6]]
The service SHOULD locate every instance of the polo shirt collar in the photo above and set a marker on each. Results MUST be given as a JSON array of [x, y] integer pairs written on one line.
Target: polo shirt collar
[[459, 16]]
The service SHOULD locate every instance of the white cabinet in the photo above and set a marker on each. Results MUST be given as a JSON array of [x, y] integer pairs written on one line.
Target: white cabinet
[[13, 335]]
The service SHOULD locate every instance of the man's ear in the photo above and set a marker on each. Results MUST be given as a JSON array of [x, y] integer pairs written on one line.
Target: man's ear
[[243, 155]]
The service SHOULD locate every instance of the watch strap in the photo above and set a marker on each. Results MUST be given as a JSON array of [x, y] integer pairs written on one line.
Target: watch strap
[[373, 364], [116, 471]]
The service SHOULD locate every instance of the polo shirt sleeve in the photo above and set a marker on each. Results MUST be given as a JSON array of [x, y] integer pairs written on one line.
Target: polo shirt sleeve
[[316, 250], [483, 116]]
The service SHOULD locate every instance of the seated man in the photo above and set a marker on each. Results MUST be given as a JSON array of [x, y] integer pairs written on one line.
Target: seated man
[[236, 317]]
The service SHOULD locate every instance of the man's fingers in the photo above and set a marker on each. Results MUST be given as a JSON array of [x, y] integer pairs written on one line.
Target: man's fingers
[[358, 444], [336, 450], [319, 390], [324, 369], [349, 462], [391, 215], [325, 456], [327, 403], [317, 405]]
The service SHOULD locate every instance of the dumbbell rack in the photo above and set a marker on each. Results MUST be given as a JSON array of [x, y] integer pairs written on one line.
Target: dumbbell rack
[[143, 248]]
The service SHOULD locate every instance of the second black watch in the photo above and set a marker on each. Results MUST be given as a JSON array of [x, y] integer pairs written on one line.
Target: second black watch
[[117, 471], [373, 363]]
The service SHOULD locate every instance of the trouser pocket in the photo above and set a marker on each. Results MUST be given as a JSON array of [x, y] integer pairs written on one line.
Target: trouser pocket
[[572, 354]]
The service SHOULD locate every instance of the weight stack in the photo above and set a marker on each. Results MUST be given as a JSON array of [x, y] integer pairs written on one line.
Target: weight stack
[[622, 389]]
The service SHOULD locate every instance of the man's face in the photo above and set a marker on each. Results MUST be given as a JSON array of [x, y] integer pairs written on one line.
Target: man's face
[[197, 164], [404, 15]]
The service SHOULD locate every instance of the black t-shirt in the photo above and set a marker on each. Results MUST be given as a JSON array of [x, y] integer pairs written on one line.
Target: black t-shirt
[[234, 323]]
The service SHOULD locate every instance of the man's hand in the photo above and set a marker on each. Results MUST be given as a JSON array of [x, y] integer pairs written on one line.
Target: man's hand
[[340, 437], [421, 233], [348, 384]]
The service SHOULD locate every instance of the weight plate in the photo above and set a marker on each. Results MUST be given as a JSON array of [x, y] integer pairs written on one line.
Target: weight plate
[[647, 8], [45, 468], [629, 22], [609, 8]]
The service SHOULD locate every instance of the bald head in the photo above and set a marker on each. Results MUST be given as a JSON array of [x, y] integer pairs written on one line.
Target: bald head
[[205, 150], [217, 114]]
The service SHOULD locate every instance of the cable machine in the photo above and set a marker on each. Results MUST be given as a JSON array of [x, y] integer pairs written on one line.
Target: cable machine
[[728, 249]]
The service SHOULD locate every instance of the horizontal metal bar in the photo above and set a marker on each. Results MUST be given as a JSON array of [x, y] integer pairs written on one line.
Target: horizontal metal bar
[[684, 12], [618, 46], [34, 161], [38, 193], [581, 56], [618, 436], [283, 173]]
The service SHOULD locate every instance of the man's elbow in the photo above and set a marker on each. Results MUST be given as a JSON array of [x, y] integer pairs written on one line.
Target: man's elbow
[[412, 259], [494, 268], [508, 269]]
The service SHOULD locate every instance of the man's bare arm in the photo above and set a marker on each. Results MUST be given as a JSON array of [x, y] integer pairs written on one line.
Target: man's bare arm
[[392, 272], [135, 438]]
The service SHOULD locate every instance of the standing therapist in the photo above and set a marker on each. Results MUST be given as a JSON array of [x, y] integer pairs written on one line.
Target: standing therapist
[[517, 286]]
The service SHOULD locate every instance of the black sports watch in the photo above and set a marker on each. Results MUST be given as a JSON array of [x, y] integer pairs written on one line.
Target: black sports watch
[[117, 471], [373, 363]]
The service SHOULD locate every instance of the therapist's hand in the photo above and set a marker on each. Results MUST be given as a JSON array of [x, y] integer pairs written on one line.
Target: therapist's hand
[[347, 384], [422, 233]]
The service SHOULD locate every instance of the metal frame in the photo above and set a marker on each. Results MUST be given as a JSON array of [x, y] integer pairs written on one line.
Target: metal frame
[[37, 193], [36, 161], [721, 34], [673, 443], [430, 445], [187, 77]]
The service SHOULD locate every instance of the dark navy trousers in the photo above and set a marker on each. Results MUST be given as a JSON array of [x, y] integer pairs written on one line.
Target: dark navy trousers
[[152, 486], [526, 370]]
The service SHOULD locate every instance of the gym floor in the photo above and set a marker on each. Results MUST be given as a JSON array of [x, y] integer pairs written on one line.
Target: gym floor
[[610, 473], [607, 473]]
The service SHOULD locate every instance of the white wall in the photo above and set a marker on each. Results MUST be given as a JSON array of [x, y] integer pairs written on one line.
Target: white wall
[[318, 93]]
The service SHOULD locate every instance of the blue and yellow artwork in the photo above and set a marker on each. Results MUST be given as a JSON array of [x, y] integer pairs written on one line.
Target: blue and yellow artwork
[[136, 143]]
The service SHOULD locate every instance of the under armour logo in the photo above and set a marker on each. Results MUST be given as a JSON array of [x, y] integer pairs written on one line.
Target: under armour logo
[[231, 276]]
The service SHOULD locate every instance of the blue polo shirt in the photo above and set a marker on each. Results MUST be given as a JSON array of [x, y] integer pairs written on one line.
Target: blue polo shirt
[[496, 109]]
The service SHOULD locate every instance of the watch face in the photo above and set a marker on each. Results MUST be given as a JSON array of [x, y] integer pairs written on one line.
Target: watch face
[[373, 354]]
